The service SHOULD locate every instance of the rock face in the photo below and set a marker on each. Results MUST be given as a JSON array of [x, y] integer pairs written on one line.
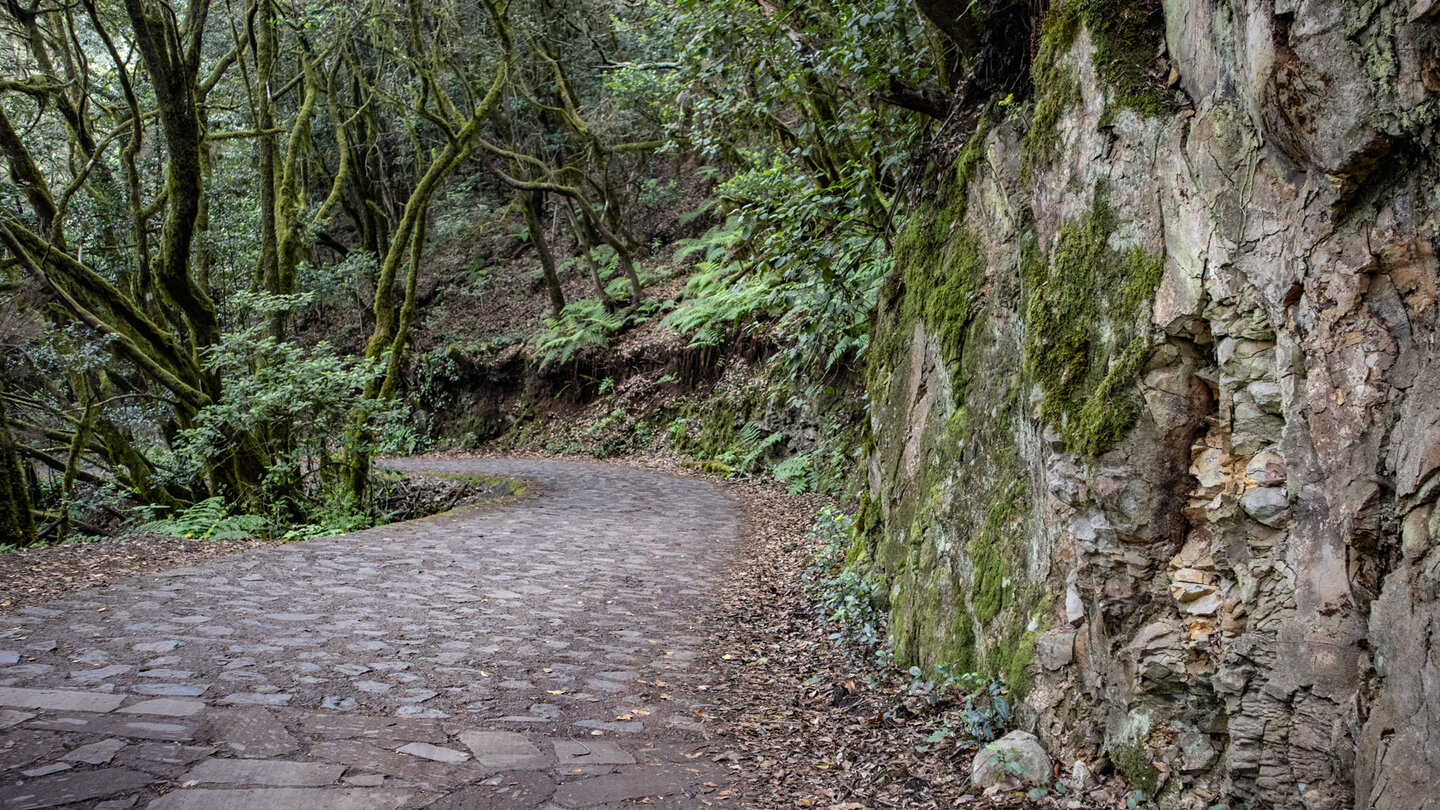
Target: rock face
[[1156, 402]]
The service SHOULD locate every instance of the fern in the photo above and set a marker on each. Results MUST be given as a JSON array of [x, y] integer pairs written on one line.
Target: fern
[[755, 444], [723, 294], [581, 325], [719, 298], [799, 473], [705, 208], [209, 519]]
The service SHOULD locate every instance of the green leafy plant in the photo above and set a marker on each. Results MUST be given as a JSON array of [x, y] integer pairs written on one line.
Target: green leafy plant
[[985, 713], [722, 298], [581, 325], [753, 444], [846, 602], [799, 474], [209, 519], [300, 405]]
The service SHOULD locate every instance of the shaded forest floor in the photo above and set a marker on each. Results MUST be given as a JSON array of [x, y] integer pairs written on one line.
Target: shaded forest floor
[[816, 728]]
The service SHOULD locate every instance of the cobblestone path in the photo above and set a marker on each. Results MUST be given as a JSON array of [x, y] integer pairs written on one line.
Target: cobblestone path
[[540, 654]]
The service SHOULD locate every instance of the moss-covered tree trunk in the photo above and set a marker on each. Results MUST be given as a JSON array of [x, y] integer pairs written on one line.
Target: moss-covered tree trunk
[[585, 243], [17, 524], [387, 340]]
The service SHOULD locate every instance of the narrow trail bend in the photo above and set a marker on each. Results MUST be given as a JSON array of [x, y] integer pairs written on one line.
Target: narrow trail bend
[[538, 654]]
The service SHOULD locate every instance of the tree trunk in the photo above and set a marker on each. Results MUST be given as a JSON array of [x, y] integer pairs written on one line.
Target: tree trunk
[[532, 202], [585, 242], [17, 524]]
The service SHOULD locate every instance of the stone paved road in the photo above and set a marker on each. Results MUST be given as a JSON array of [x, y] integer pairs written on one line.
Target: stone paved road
[[539, 654]]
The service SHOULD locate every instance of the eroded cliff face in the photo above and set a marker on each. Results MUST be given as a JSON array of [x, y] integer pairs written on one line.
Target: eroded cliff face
[[1156, 404]]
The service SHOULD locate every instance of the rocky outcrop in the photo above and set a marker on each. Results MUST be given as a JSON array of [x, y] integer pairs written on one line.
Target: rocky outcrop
[[1156, 402]]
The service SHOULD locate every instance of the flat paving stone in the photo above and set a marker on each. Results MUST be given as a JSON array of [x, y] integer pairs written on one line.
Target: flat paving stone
[[171, 689], [46, 770], [578, 753], [635, 784], [115, 726], [510, 791], [344, 727], [10, 717], [623, 726], [167, 759], [167, 674], [250, 733], [423, 772], [282, 799], [96, 753], [88, 676], [365, 780], [433, 752], [165, 707], [269, 772], [254, 699], [62, 700], [508, 750], [71, 787]]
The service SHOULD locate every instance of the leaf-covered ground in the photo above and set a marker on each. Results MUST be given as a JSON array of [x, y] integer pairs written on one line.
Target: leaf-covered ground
[[810, 728]]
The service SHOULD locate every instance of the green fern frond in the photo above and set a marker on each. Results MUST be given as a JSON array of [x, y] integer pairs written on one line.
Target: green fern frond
[[209, 519]]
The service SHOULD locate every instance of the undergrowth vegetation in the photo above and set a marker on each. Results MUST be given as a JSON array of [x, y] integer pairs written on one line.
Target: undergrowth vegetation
[[963, 709]]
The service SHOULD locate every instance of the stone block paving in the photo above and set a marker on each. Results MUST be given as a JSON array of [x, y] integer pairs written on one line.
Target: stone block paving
[[540, 654]]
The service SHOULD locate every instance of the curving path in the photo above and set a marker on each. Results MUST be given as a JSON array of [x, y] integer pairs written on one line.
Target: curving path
[[538, 654]]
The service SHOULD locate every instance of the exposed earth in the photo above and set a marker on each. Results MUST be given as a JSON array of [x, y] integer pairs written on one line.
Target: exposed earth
[[547, 653]]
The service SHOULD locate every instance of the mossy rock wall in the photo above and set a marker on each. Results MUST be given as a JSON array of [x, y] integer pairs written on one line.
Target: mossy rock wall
[[1154, 402], [982, 345]]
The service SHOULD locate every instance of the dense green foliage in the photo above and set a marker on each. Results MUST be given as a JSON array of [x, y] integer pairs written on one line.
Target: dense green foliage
[[218, 263]]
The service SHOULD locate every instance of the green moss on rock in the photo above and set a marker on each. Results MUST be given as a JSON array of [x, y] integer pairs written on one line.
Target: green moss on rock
[[940, 267], [1087, 337], [1130, 760], [1012, 657], [993, 553], [1125, 36], [1056, 88]]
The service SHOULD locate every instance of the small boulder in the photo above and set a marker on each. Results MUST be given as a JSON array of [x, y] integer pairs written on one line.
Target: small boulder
[[1017, 757]]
